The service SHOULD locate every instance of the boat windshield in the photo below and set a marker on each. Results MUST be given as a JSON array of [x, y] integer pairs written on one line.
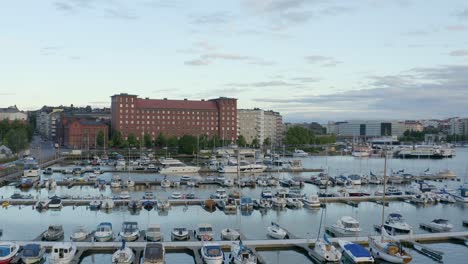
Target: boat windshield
[[205, 229], [351, 225], [154, 229], [130, 227], [213, 251], [4, 251]]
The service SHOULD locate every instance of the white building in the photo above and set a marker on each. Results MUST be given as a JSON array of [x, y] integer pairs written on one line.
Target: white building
[[12, 113], [260, 124], [46, 121], [366, 128], [458, 126]]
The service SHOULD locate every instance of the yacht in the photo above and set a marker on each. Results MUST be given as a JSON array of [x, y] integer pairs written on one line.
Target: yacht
[[104, 232], [267, 194], [395, 224], [205, 232], [279, 202], [440, 225], [176, 195], [180, 234], [62, 253], [165, 183], [243, 167], [355, 252], [55, 204], [148, 196], [461, 194], [54, 233], [116, 181], [312, 201], [219, 194], [299, 153], [389, 251], [32, 253], [163, 204], [355, 179], [212, 253], [135, 205], [123, 255], [31, 170], [346, 226], [154, 254], [153, 233], [174, 166], [275, 231], [326, 250], [241, 254], [229, 234], [107, 204], [130, 231], [79, 234], [8, 251], [124, 195], [294, 203]]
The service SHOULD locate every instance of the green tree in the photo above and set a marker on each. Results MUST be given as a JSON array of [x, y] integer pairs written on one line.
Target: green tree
[[298, 135], [161, 140], [255, 143], [214, 142], [173, 142], [241, 142], [132, 140], [148, 141], [187, 144], [16, 139], [117, 140], [100, 138], [267, 142]]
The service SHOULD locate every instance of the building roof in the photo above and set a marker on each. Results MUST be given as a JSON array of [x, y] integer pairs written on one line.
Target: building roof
[[175, 104], [10, 109], [91, 122]]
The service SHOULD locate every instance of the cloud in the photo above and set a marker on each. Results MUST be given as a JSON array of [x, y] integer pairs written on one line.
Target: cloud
[[463, 13], [306, 79], [457, 28], [407, 95], [111, 9], [50, 50], [416, 33], [263, 84], [459, 53], [214, 18], [197, 62], [322, 60], [229, 92]]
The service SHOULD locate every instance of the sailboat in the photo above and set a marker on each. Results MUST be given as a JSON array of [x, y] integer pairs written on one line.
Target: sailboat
[[388, 250]]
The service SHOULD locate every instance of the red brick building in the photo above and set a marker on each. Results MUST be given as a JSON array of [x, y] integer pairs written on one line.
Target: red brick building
[[79, 133], [133, 115]]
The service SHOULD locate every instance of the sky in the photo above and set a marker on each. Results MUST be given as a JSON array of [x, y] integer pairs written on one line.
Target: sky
[[311, 60]]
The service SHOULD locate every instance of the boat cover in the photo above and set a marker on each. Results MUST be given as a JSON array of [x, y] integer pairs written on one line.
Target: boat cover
[[357, 250], [4, 251], [31, 250]]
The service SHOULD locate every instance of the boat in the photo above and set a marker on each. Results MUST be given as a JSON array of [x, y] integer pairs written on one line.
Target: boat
[[180, 234], [267, 194], [148, 196], [241, 254], [153, 233], [219, 194], [174, 166], [54, 233], [439, 225], [210, 204], [124, 195], [422, 198], [294, 203], [312, 201], [229, 234], [355, 252], [461, 194], [116, 181], [191, 183], [212, 253], [390, 251], [31, 170], [346, 226], [355, 179], [325, 249], [166, 183], [205, 232], [148, 205], [79, 234], [299, 153], [26, 183], [244, 167], [128, 184], [246, 204], [395, 224], [55, 204], [48, 171], [275, 231], [446, 198], [107, 204], [104, 232], [32, 253], [163, 204], [95, 204], [135, 205], [130, 231], [229, 204], [42, 204], [8, 251], [154, 253], [62, 253], [262, 204], [123, 255], [176, 195], [279, 202]]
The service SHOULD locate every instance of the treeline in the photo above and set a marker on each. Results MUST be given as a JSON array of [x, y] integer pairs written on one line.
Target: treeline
[[297, 135], [417, 136], [15, 134]]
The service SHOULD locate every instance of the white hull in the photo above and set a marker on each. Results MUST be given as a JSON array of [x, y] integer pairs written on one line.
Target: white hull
[[254, 168], [327, 252], [30, 173], [377, 252], [123, 256], [342, 232], [129, 237], [177, 170], [31, 260]]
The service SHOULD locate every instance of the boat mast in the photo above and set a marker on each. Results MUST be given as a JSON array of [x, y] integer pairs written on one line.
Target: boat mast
[[383, 197]]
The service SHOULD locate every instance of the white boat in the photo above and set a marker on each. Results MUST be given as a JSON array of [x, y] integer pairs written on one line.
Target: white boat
[[107, 204], [212, 253], [154, 254], [346, 226], [241, 254], [95, 204], [128, 184], [294, 203], [205, 232], [148, 196], [153, 233], [279, 202], [355, 179], [54, 233], [461, 194], [360, 154], [31, 170], [389, 251], [104, 232], [446, 198], [312, 201], [124, 255], [326, 250], [124, 195], [440, 225], [55, 204], [176, 195], [166, 183], [174, 166], [42, 204], [62, 253], [116, 181], [32, 253], [220, 194], [244, 167], [266, 194], [229, 234], [8, 251], [395, 224], [299, 153], [275, 231], [180, 234], [130, 231], [355, 252], [163, 204], [135, 205], [79, 234]]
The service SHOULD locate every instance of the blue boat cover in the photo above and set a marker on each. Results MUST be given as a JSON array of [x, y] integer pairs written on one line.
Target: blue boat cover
[[4, 251], [357, 250], [395, 215], [31, 250]]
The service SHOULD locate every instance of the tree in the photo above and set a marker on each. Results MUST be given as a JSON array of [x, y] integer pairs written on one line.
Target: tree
[[187, 144], [132, 140], [161, 140], [267, 142], [16, 139], [241, 142], [117, 140], [100, 138], [298, 135], [255, 142], [148, 141], [172, 142]]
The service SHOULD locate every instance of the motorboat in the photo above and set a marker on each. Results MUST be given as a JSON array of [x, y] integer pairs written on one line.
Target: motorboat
[[355, 252], [439, 225], [32, 253], [243, 167], [125, 195], [26, 183], [148, 205], [205, 232], [395, 224], [294, 203], [123, 255], [185, 179], [148, 196], [325, 249], [236, 194], [191, 183], [79, 234], [153, 233], [229, 234], [212, 253], [180, 234], [209, 205], [62, 253], [54, 233], [42, 204], [116, 181], [165, 183], [389, 251], [262, 204], [299, 153], [246, 204], [95, 204], [229, 204], [104, 232], [176, 195], [174, 166], [219, 194], [279, 202], [154, 253], [446, 198], [8, 251], [461, 194], [55, 204], [275, 231], [130, 231], [392, 190], [228, 183], [128, 184], [355, 179], [341, 180], [135, 205], [31, 169], [345, 226], [163, 204], [107, 204], [242, 255], [422, 198], [267, 194], [312, 201]]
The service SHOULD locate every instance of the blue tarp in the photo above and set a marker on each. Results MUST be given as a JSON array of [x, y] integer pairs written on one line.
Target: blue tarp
[[357, 250], [31, 250], [4, 251]]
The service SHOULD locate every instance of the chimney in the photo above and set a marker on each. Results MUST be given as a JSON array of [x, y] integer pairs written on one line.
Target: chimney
[[165, 98]]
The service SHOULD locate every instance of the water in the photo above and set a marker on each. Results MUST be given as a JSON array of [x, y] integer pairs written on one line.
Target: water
[[24, 223]]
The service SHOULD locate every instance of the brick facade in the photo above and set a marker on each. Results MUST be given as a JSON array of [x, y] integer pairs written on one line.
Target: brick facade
[[82, 133]]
